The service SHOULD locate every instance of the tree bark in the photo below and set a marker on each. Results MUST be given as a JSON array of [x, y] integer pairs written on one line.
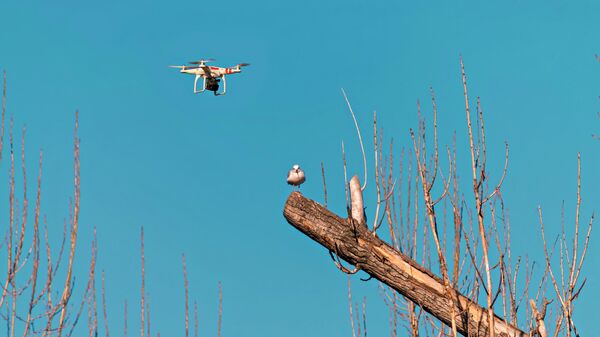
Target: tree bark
[[358, 246]]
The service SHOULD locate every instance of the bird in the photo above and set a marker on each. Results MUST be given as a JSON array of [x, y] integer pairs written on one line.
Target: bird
[[296, 176]]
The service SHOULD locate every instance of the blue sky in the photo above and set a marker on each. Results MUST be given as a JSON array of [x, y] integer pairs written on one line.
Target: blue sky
[[205, 175]]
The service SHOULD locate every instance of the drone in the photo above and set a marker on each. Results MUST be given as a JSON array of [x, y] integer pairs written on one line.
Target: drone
[[211, 76]]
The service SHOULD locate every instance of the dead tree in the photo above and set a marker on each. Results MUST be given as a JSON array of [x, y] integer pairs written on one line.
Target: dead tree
[[358, 246], [468, 273]]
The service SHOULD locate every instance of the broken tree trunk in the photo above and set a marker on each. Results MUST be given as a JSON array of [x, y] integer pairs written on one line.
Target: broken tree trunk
[[359, 247]]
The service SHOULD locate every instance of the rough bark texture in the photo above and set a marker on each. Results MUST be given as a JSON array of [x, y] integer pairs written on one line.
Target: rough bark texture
[[358, 246]]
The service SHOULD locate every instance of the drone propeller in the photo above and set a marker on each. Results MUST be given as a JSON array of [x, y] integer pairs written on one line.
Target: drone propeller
[[184, 67], [243, 64], [202, 61]]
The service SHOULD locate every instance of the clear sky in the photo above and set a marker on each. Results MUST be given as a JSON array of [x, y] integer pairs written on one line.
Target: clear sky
[[205, 175]]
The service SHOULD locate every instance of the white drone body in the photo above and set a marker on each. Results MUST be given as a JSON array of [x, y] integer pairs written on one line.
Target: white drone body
[[210, 75]]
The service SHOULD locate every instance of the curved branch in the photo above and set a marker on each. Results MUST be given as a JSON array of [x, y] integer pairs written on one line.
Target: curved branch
[[338, 264], [362, 148], [497, 188], [446, 183]]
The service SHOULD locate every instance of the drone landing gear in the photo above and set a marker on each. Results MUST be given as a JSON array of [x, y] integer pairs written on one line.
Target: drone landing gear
[[196, 84], [211, 84]]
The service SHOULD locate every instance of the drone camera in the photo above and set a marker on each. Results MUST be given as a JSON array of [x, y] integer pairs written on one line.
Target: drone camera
[[212, 84]]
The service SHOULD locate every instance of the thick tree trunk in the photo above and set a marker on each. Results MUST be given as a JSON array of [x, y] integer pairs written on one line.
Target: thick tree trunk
[[358, 246]]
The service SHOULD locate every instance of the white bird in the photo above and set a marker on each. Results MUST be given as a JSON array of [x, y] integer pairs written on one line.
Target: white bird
[[295, 176]]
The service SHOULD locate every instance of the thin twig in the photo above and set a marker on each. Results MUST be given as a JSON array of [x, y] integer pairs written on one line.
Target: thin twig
[[324, 185], [143, 294], [195, 319], [75, 223], [185, 282], [362, 148], [220, 310], [104, 306]]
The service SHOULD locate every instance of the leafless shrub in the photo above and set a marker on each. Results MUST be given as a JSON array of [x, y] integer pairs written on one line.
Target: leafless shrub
[[37, 297], [479, 260]]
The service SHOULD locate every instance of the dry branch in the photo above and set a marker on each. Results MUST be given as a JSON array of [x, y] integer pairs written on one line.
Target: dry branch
[[358, 246]]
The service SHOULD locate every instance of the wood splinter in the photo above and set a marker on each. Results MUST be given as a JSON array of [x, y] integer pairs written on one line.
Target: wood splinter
[[356, 201]]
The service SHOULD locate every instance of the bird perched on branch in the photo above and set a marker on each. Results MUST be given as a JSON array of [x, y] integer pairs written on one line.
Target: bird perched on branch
[[295, 176]]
